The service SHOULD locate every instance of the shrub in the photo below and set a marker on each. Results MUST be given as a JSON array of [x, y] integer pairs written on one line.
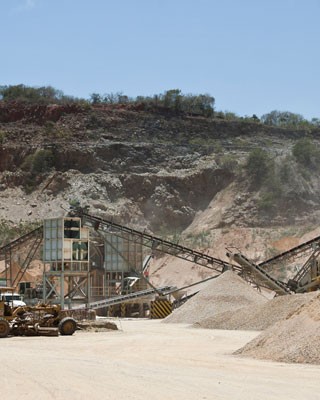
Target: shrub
[[50, 127], [30, 94], [258, 165], [285, 172], [284, 119], [39, 162], [43, 161], [228, 161], [2, 136], [266, 202], [172, 100], [306, 153]]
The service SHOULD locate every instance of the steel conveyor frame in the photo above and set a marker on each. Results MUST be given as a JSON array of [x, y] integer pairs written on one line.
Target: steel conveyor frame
[[156, 243]]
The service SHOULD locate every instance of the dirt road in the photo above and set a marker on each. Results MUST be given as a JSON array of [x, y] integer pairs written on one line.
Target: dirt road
[[147, 360]]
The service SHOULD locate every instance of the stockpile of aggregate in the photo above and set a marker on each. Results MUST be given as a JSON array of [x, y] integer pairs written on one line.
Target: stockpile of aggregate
[[258, 316], [227, 293], [97, 326], [295, 339]]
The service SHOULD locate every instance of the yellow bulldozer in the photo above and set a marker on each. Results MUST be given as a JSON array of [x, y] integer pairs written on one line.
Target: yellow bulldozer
[[39, 320]]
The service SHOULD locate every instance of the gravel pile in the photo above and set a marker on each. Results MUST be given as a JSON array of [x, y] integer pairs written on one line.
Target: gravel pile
[[227, 293], [97, 326], [259, 316], [295, 339]]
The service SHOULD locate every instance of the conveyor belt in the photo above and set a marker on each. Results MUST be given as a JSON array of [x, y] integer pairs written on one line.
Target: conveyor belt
[[156, 243], [123, 298], [260, 274], [303, 276], [22, 239], [295, 251], [32, 251], [35, 237]]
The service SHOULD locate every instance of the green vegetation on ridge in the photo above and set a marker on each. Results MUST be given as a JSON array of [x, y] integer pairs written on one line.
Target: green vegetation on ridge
[[172, 100]]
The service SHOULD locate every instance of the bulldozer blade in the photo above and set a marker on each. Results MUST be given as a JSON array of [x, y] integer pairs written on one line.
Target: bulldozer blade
[[46, 331]]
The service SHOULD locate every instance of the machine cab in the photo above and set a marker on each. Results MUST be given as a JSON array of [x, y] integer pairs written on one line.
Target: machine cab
[[8, 297]]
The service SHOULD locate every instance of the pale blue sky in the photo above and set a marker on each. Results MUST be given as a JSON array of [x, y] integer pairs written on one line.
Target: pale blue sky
[[252, 56]]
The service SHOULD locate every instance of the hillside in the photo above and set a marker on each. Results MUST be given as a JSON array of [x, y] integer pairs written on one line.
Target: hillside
[[178, 176]]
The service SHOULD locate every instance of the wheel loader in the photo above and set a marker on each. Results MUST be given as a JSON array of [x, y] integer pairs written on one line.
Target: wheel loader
[[39, 320]]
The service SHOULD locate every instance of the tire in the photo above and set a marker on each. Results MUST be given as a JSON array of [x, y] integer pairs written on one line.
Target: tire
[[67, 326], [4, 328]]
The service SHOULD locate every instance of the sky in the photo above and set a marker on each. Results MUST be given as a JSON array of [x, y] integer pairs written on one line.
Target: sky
[[252, 56]]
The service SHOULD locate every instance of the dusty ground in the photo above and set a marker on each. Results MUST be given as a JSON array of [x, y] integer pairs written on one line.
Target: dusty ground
[[148, 360]]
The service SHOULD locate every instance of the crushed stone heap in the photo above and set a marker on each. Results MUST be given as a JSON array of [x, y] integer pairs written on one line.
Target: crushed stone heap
[[295, 339], [258, 316], [226, 293]]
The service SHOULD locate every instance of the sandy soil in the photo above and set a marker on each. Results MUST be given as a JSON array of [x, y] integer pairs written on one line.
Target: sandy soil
[[148, 360]]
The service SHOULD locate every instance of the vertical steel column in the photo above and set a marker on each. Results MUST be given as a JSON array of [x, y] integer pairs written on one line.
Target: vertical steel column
[[44, 287], [62, 288]]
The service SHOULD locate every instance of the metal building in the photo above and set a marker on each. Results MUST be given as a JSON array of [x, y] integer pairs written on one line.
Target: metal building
[[79, 270], [66, 276]]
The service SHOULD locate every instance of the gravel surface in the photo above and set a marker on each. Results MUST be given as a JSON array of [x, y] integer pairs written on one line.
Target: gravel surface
[[226, 293], [295, 339], [258, 316], [144, 360]]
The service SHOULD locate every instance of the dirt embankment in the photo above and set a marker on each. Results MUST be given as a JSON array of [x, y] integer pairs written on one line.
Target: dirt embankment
[[151, 169]]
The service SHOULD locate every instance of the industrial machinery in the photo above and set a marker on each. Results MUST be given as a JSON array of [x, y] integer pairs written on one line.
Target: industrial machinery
[[306, 278], [254, 273], [40, 320], [94, 263]]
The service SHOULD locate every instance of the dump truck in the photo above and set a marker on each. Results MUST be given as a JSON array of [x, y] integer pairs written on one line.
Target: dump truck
[[39, 320]]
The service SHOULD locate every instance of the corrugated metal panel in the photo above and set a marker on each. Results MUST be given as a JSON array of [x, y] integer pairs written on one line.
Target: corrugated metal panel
[[122, 255]]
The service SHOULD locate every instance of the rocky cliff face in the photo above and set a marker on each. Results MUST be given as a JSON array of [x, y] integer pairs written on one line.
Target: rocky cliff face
[[153, 171]]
